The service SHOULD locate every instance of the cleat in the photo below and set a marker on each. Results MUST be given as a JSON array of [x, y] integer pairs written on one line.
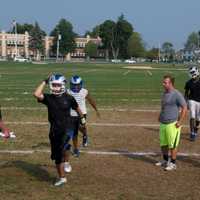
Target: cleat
[[76, 152], [67, 167], [170, 166], [60, 182], [192, 137], [85, 141], [162, 163]]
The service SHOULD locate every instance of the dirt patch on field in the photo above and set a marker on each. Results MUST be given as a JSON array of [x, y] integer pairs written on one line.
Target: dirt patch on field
[[109, 177], [138, 67], [98, 177]]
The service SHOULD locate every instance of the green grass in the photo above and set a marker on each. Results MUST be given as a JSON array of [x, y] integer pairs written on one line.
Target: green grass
[[110, 84]]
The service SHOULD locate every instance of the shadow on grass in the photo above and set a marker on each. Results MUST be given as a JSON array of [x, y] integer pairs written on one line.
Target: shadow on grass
[[192, 161], [34, 170], [145, 158], [152, 159]]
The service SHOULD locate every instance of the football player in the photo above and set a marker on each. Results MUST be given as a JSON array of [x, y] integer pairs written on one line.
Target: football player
[[81, 95], [59, 104], [192, 95]]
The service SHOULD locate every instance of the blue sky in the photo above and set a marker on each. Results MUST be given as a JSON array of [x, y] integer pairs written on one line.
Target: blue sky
[[157, 20]]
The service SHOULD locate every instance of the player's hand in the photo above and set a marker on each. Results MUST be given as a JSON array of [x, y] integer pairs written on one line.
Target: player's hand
[[46, 80]]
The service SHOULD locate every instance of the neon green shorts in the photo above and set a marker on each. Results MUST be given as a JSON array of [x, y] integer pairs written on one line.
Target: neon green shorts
[[169, 135]]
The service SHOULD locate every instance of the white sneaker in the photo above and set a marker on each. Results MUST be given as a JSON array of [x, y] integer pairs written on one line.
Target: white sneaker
[[60, 182], [67, 167], [170, 166], [162, 163]]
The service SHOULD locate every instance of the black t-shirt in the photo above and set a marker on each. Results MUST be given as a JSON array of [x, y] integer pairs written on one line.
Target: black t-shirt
[[59, 111], [193, 89]]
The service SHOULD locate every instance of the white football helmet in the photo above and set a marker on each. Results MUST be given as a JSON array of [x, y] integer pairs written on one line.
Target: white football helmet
[[76, 83], [57, 84], [193, 72]]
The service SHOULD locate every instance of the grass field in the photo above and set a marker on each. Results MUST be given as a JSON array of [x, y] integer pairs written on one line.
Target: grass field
[[129, 101]]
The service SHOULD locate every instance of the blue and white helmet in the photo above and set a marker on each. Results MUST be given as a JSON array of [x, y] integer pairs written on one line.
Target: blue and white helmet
[[76, 84], [57, 84], [193, 72]]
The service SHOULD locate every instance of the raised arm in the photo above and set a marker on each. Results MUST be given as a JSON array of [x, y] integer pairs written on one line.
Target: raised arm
[[38, 93]]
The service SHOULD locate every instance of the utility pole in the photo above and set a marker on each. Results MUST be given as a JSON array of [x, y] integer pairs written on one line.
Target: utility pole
[[15, 31], [159, 52], [58, 46]]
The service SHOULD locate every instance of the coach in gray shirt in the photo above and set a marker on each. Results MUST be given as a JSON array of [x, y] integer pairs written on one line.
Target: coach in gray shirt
[[170, 122]]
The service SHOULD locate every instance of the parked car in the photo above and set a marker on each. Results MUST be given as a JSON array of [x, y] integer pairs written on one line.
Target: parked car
[[116, 61], [130, 61], [2, 59], [21, 59]]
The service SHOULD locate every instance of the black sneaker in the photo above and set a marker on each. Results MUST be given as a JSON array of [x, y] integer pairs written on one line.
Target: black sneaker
[[192, 137], [76, 152]]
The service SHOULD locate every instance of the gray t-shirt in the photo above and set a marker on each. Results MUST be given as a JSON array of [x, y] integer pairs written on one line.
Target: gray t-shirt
[[170, 104]]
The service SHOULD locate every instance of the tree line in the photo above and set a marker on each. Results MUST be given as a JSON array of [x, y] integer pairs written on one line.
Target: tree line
[[119, 40]]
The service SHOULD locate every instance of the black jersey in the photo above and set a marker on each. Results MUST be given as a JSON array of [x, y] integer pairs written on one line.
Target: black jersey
[[192, 87], [59, 111]]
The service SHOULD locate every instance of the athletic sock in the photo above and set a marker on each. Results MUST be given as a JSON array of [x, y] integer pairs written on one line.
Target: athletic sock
[[165, 157], [173, 161]]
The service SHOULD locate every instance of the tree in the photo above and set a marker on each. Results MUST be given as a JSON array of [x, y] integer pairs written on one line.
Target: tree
[[22, 28], [94, 32], [67, 40], [106, 30], [90, 49], [124, 31], [135, 46], [115, 36], [36, 40], [168, 51], [192, 41], [152, 54]]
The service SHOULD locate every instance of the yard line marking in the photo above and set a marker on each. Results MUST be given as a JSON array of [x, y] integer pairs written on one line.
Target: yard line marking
[[101, 109], [94, 152], [125, 73], [91, 124], [149, 73]]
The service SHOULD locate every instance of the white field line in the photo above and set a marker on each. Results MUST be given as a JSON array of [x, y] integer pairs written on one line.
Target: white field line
[[149, 73], [154, 68], [110, 153], [125, 73], [101, 109], [98, 99], [91, 124]]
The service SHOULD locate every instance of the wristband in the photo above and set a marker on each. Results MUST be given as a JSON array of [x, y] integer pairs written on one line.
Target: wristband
[[46, 81], [83, 121]]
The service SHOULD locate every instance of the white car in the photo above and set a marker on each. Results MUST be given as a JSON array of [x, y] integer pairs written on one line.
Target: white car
[[20, 59], [129, 61]]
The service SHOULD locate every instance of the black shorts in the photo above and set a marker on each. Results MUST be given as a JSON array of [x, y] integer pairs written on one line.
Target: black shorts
[[58, 143]]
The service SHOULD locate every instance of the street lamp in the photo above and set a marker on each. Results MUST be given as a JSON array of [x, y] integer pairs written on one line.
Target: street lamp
[[15, 31], [58, 45]]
